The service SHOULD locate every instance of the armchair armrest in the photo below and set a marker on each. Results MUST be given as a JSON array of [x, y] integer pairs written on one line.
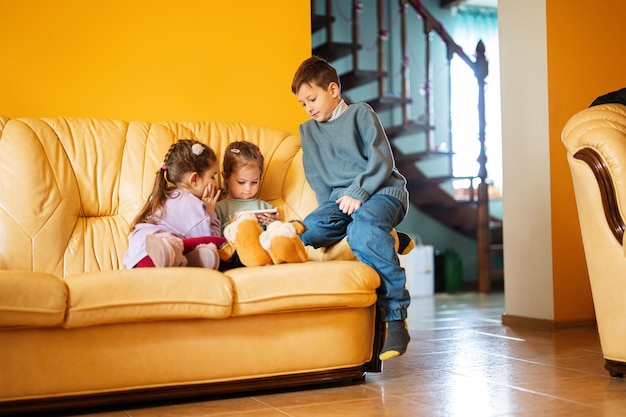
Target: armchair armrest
[[596, 136], [607, 190]]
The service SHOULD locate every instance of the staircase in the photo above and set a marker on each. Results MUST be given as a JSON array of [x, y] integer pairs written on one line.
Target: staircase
[[431, 193]]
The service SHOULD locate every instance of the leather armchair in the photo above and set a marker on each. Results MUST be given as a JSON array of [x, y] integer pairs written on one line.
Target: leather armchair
[[595, 139]]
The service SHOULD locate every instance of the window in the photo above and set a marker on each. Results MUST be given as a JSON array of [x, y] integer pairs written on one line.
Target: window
[[471, 26]]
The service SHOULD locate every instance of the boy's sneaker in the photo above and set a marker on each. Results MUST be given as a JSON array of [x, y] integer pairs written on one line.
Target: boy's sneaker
[[165, 250], [204, 256], [396, 340]]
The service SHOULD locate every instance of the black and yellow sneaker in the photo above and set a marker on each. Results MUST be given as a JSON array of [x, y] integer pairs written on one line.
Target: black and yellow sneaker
[[396, 340]]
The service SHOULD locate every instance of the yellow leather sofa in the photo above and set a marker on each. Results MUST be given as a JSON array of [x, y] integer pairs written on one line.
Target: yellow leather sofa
[[595, 139], [77, 329]]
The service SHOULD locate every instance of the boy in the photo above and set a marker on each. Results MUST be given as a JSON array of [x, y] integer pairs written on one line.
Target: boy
[[348, 162]]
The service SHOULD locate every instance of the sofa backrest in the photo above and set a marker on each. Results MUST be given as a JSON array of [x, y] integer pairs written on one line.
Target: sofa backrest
[[70, 187]]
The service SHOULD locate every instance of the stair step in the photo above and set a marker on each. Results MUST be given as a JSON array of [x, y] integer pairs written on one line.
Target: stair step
[[405, 129], [495, 224], [385, 103], [433, 180], [495, 231], [358, 77], [496, 272], [497, 247], [319, 21], [429, 201], [418, 156], [332, 51], [450, 215]]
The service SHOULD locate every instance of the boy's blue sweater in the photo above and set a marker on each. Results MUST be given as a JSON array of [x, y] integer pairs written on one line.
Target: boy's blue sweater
[[351, 156]]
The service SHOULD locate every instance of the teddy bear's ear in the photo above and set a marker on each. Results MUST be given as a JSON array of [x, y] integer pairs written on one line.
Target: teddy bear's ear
[[282, 243], [243, 234], [298, 226]]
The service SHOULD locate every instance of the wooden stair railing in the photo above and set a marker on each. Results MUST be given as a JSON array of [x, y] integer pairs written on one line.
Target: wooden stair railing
[[478, 225]]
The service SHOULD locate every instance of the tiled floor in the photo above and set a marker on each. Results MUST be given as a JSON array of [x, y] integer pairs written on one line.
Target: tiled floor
[[461, 362]]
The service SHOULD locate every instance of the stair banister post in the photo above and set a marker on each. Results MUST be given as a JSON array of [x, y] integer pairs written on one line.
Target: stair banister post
[[481, 71], [450, 50], [483, 239], [380, 46], [428, 107], [405, 61], [329, 22], [355, 33]]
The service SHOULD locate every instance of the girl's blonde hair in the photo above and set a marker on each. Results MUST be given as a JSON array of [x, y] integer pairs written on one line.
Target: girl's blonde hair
[[239, 154], [183, 157]]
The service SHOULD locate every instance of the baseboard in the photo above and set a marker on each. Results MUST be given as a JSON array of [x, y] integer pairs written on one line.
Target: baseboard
[[544, 324]]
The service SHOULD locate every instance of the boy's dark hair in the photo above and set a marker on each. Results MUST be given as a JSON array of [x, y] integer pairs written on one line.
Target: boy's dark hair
[[317, 71]]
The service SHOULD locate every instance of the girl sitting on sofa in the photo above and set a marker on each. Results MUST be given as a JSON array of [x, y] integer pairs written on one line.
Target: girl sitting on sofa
[[242, 168], [178, 225]]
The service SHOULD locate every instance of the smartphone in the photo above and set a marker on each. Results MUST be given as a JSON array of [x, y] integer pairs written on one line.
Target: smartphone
[[257, 212]]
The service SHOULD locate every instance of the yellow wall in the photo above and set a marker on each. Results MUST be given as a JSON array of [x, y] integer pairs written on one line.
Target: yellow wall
[[585, 60], [154, 60]]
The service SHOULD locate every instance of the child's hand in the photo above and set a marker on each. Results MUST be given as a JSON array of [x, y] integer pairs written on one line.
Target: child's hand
[[210, 197], [347, 204], [267, 218]]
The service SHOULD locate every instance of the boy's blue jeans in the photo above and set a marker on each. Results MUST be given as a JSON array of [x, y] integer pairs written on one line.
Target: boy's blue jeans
[[368, 230]]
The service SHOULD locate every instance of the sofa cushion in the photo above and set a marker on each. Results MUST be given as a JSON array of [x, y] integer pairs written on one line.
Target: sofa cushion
[[31, 299], [303, 286], [145, 294]]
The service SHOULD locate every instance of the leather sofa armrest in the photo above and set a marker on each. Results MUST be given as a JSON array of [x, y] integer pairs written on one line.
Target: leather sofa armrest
[[31, 299]]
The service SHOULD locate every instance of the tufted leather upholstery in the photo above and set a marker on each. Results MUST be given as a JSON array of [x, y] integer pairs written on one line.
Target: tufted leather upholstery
[[74, 194]]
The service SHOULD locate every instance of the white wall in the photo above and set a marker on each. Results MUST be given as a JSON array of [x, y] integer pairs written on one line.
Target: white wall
[[526, 159]]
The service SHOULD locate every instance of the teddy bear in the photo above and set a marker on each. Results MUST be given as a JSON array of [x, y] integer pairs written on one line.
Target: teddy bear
[[279, 243]]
